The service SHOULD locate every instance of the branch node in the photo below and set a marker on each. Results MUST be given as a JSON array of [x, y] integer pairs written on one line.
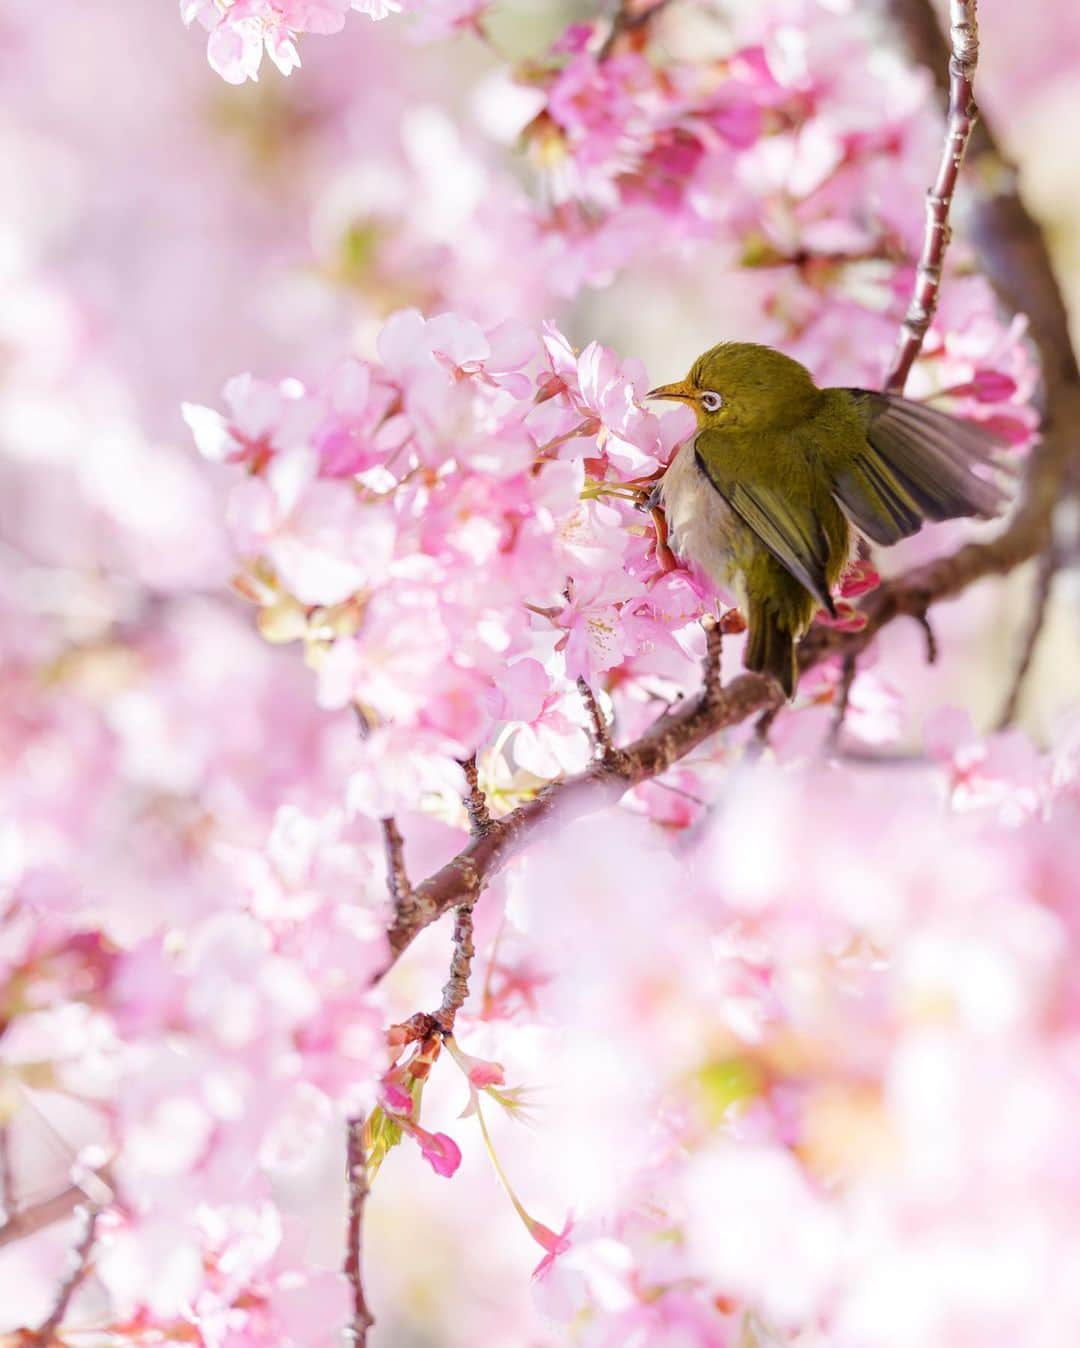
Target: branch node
[[608, 755], [457, 985], [476, 806]]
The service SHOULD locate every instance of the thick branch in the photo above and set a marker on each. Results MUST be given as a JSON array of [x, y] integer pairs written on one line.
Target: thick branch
[[668, 740], [962, 112], [1013, 253]]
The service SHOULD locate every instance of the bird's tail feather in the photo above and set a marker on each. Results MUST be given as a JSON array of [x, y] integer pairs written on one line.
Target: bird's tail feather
[[770, 649]]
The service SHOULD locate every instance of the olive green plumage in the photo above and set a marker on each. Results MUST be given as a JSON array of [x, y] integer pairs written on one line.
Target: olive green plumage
[[766, 495]]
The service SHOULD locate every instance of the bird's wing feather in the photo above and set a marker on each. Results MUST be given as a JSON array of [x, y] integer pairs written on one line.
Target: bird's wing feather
[[917, 464], [796, 539]]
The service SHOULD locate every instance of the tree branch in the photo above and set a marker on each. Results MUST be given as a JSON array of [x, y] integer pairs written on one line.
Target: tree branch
[[962, 112], [667, 740], [848, 669], [357, 1182], [457, 986], [711, 686], [627, 20], [7, 1177], [1013, 253], [396, 876], [476, 806], [80, 1264], [601, 731], [36, 1216], [1049, 563]]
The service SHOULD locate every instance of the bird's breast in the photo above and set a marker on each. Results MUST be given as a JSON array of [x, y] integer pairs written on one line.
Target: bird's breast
[[702, 526]]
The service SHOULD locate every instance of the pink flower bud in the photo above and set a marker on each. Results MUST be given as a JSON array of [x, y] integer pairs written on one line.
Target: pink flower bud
[[992, 386]]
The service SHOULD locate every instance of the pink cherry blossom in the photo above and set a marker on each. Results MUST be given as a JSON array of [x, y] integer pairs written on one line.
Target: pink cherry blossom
[[555, 1243], [440, 1151], [241, 29]]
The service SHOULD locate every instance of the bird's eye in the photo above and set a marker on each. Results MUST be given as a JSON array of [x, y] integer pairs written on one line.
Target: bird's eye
[[712, 402]]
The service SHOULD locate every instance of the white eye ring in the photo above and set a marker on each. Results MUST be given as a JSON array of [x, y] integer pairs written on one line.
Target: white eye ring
[[712, 402]]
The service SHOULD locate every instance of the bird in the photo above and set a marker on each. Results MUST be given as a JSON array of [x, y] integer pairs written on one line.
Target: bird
[[782, 479]]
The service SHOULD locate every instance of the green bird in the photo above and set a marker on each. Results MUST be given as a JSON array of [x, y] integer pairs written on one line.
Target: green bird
[[771, 496]]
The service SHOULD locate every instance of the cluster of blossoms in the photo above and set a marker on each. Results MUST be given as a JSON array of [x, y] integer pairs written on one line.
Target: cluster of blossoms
[[769, 139], [854, 1061], [241, 30], [454, 534], [210, 947]]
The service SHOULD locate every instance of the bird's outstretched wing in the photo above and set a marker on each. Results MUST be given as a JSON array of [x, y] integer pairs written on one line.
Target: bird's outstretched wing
[[794, 536], [917, 464]]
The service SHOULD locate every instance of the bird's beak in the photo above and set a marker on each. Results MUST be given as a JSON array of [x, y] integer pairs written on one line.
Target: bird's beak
[[682, 392]]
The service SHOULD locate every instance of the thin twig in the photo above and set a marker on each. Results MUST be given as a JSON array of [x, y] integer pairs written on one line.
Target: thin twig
[[962, 112], [1049, 563], [7, 1177], [762, 726], [357, 1180], [929, 637], [627, 20], [80, 1266], [37, 1216], [396, 876], [457, 986], [601, 731], [714, 651], [848, 669], [476, 806]]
